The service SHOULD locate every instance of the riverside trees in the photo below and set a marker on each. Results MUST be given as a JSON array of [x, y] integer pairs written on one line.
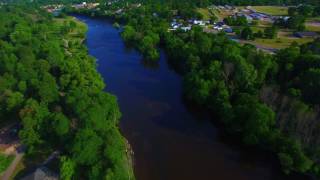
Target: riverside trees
[[50, 84], [229, 79]]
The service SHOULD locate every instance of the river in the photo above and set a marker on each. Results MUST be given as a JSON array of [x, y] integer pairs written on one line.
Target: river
[[171, 141]]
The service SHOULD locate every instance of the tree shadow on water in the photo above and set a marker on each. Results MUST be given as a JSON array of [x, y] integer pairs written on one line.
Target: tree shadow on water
[[150, 64]]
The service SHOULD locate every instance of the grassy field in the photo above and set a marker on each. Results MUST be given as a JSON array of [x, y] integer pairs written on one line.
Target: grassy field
[[281, 42], [272, 10], [313, 25], [205, 13], [5, 161], [313, 28], [284, 40], [78, 32], [257, 28], [221, 14]]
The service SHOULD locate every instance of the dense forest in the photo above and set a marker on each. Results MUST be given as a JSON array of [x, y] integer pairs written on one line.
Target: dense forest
[[50, 85], [270, 101]]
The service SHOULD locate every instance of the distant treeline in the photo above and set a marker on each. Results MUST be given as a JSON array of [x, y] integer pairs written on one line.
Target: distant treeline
[[199, 3], [203, 3]]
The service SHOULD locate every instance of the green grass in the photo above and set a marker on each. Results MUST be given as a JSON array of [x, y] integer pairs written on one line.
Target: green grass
[[205, 13], [281, 42], [313, 24], [5, 161], [257, 28], [313, 28], [272, 10], [81, 27], [220, 14]]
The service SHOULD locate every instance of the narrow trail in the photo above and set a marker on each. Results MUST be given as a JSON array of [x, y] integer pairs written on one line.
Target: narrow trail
[[8, 173]]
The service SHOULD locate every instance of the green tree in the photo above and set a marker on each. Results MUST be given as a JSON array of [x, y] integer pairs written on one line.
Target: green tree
[[60, 124], [271, 32], [67, 168], [86, 147], [247, 33]]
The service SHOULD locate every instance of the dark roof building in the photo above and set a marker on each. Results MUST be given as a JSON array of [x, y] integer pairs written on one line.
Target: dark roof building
[[306, 34]]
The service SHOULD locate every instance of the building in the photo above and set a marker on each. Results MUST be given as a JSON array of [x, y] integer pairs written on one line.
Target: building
[[199, 22], [186, 28], [175, 25]]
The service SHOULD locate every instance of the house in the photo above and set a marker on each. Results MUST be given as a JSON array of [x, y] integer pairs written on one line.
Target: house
[[199, 22], [219, 28], [220, 23], [257, 16], [249, 18], [175, 25], [306, 34], [186, 28]]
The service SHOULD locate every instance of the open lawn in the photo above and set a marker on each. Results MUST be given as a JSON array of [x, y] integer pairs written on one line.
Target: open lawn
[[313, 25], [80, 29], [281, 42], [284, 40], [5, 161], [221, 14], [272, 10], [313, 28], [205, 13], [257, 28]]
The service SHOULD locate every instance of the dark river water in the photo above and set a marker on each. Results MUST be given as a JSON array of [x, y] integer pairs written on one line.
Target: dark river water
[[170, 140]]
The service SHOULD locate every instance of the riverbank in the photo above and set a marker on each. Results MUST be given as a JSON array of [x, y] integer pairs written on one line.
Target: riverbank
[[130, 160], [128, 164]]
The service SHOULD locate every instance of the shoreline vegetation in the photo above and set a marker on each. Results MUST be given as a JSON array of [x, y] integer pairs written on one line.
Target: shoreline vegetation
[[129, 160], [51, 85]]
